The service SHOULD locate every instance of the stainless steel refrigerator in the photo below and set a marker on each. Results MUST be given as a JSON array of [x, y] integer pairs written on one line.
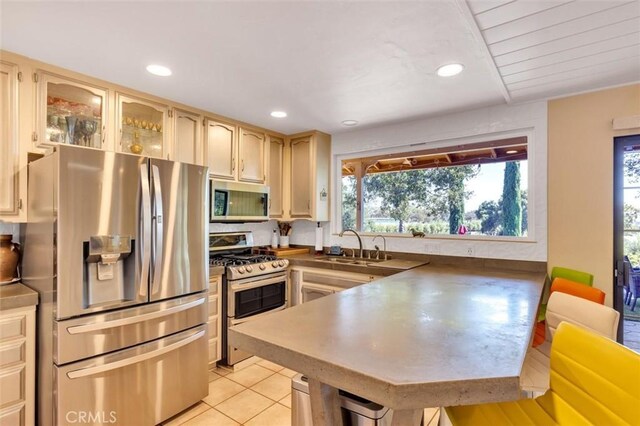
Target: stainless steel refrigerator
[[116, 247]]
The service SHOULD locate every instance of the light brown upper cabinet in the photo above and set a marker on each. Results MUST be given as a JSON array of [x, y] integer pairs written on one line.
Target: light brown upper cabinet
[[188, 146], [221, 149], [275, 176], [309, 165], [251, 150], [69, 111], [10, 159], [142, 126]]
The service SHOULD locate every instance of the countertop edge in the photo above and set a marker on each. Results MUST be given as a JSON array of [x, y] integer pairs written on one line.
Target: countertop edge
[[17, 295]]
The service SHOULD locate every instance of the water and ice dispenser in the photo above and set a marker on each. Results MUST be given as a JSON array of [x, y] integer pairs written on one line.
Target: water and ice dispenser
[[109, 270]]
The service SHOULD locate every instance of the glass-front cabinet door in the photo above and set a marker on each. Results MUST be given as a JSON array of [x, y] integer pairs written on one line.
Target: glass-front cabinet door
[[70, 112], [142, 126]]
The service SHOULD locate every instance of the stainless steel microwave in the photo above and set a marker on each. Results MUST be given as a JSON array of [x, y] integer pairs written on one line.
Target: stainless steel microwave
[[238, 202]]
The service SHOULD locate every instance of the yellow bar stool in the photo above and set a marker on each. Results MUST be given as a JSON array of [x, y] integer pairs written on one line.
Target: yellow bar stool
[[594, 380]]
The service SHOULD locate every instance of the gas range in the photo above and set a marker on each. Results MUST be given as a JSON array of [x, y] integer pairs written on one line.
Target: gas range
[[243, 265], [233, 251]]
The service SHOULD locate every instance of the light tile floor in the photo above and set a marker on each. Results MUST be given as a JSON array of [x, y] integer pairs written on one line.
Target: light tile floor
[[257, 395]]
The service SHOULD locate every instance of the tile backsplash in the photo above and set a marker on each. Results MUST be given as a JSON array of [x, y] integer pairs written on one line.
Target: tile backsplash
[[10, 228], [303, 231]]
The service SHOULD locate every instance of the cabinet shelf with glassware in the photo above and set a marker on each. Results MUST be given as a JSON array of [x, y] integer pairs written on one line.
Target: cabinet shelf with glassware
[[142, 126], [69, 111]]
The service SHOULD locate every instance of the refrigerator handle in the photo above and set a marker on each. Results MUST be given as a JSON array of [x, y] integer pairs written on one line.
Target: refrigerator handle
[[90, 371], [157, 244], [145, 229]]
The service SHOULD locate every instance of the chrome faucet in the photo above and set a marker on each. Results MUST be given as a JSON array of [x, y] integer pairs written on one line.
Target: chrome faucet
[[384, 244], [357, 235]]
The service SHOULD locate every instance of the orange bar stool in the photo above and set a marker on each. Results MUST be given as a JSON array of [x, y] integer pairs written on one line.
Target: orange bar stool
[[569, 287]]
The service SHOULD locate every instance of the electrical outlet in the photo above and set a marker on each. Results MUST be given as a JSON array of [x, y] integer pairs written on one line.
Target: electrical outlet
[[471, 251], [432, 248]]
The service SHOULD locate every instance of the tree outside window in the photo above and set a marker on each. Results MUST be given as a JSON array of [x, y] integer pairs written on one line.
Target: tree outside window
[[418, 194]]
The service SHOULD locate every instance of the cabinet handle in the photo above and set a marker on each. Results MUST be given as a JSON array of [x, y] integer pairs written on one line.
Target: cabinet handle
[[269, 203], [242, 162], [233, 164], [308, 204]]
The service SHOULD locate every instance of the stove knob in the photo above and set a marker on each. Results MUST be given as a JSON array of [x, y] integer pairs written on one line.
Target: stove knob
[[286, 262], [262, 267], [249, 268], [240, 269], [281, 263], [274, 264]]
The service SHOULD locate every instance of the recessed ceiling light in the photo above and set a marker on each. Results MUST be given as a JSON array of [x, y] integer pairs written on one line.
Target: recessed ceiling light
[[159, 70], [512, 151], [349, 123], [450, 70], [278, 114]]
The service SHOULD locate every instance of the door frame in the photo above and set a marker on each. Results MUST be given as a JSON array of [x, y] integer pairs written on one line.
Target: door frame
[[620, 272]]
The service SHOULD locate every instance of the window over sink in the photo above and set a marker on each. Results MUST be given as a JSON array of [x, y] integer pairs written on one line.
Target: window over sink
[[471, 189]]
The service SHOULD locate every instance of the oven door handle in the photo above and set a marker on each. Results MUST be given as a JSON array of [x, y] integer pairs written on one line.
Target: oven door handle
[[253, 317], [248, 285]]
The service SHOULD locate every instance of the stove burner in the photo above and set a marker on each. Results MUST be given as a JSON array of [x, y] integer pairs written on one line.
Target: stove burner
[[240, 259]]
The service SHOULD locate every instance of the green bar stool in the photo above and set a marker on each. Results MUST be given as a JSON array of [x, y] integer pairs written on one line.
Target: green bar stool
[[566, 273]]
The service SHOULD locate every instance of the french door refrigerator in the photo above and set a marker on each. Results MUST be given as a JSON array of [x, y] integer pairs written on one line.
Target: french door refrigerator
[[116, 247]]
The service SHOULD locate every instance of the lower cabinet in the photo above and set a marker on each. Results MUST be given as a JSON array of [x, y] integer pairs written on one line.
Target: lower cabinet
[[17, 366], [308, 284], [214, 322]]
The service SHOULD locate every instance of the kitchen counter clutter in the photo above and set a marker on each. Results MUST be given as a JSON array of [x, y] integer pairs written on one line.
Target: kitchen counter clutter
[[431, 336]]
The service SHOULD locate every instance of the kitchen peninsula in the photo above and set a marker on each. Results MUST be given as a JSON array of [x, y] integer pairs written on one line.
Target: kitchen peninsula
[[427, 337]]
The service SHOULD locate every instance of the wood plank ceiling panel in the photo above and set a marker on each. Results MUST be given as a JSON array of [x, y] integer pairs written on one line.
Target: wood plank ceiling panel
[[570, 45], [560, 15], [582, 78], [544, 48], [484, 5], [587, 62], [626, 41], [590, 27]]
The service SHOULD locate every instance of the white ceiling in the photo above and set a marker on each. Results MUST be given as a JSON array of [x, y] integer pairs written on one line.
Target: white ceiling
[[325, 62]]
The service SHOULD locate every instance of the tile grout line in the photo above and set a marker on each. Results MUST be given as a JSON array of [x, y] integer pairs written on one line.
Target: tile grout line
[[248, 420]]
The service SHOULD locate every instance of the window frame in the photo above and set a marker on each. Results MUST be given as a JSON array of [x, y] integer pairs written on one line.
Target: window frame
[[336, 225]]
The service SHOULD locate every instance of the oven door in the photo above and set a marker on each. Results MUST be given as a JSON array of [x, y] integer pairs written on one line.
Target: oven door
[[253, 296]]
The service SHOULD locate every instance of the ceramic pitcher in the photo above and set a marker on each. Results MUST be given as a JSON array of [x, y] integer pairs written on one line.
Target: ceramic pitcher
[[9, 256]]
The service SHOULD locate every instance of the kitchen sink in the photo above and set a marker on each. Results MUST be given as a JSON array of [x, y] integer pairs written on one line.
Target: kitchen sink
[[348, 260]]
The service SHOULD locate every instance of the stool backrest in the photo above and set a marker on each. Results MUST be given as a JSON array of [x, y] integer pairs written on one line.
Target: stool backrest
[[576, 289], [572, 274], [585, 313], [594, 380]]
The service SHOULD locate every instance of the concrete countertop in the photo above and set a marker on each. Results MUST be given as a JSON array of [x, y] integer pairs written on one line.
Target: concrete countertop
[[431, 336], [17, 295], [215, 270]]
